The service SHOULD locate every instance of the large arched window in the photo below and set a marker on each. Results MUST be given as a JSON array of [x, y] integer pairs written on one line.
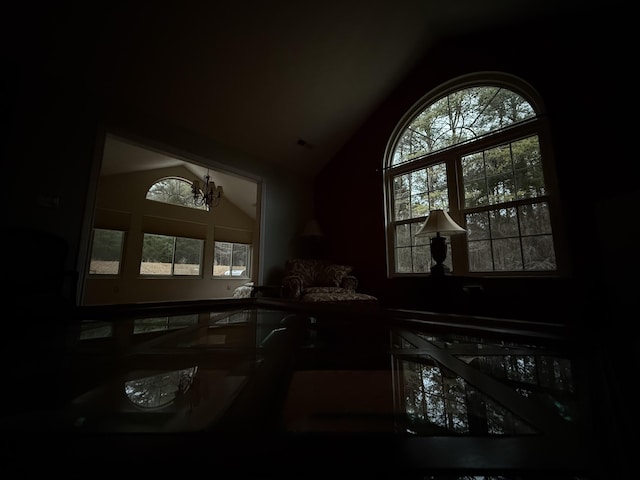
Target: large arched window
[[477, 147]]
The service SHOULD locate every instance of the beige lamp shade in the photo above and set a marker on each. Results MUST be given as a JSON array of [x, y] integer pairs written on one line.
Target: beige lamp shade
[[439, 222]]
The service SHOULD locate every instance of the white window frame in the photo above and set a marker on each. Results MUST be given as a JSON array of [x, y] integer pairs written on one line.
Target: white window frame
[[457, 253]]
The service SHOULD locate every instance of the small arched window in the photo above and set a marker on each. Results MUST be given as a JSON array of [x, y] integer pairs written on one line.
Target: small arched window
[[478, 148], [174, 190]]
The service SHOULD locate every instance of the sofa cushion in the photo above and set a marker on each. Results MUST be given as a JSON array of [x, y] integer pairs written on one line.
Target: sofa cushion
[[331, 275], [317, 272], [305, 269], [338, 296], [323, 290]]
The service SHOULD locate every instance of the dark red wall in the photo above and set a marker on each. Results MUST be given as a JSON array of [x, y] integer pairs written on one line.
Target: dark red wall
[[574, 72]]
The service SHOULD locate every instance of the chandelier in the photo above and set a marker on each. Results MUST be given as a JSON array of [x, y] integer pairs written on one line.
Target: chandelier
[[207, 194]]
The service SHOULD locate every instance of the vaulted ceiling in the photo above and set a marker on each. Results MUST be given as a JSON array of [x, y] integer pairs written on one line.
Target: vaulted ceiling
[[286, 81]]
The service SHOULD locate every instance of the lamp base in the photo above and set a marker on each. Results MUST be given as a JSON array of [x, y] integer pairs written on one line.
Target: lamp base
[[439, 253], [439, 270]]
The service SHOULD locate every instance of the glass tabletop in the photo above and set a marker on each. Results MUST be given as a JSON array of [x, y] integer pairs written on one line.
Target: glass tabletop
[[299, 376]]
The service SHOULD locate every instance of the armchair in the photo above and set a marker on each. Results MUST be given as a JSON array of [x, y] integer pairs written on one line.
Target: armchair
[[311, 280]]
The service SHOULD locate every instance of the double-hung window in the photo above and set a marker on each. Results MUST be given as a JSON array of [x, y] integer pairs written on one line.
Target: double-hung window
[[232, 259], [477, 148], [165, 255]]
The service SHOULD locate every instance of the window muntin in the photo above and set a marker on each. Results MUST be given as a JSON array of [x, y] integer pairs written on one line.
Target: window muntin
[[175, 191], [106, 252], [491, 179], [165, 255], [231, 259]]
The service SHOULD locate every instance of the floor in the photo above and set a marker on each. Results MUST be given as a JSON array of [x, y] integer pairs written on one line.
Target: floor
[[266, 391]]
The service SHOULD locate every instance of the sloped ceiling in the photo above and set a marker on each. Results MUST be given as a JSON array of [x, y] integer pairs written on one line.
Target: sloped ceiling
[[286, 81], [122, 156]]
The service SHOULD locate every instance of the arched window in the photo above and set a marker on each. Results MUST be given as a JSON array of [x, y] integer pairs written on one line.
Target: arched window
[[478, 148], [173, 190]]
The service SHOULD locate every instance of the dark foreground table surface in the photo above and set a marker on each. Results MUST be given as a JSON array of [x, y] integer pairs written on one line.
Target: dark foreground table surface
[[267, 391]]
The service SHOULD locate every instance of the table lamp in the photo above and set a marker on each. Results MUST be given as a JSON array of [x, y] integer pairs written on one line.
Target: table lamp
[[439, 223]]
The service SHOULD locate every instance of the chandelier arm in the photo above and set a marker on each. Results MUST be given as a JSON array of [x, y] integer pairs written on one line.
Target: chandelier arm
[[208, 195]]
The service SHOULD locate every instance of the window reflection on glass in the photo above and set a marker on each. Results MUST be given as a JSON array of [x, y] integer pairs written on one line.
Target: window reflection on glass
[[544, 379], [165, 255], [437, 401], [155, 324], [90, 330], [161, 389], [227, 318]]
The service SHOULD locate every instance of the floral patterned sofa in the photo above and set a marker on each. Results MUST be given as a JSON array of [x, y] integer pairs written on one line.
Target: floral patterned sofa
[[311, 280]]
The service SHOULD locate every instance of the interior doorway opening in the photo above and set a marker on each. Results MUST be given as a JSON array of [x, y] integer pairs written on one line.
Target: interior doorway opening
[[124, 172]]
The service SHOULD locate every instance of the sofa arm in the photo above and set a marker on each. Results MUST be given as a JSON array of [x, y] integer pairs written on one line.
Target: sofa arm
[[349, 282], [292, 286]]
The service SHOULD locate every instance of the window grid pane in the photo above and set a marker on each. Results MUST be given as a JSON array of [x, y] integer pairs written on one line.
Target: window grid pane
[[188, 256], [538, 253], [503, 173], [106, 252], [413, 254], [402, 196], [511, 239], [404, 261], [165, 255], [415, 194], [418, 192], [231, 259]]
